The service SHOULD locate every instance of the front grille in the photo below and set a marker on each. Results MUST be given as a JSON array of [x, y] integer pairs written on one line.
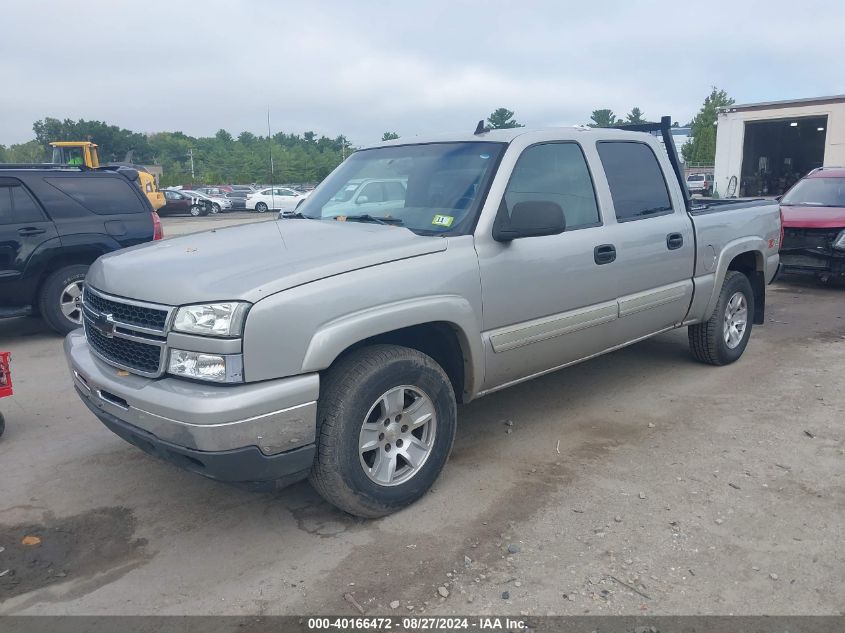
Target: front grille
[[127, 312], [141, 357], [816, 239]]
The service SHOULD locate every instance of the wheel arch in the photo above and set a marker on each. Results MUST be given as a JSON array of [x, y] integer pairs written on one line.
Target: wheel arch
[[745, 256], [440, 327], [82, 256]]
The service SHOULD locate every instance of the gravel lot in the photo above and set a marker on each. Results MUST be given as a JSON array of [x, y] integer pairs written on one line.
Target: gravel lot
[[637, 483]]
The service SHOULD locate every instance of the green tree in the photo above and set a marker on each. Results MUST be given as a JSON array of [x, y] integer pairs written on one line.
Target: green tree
[[701, 147], [389, 136], [635, 117], [603, 118], [114, 143], [502, 118], [29, 152]]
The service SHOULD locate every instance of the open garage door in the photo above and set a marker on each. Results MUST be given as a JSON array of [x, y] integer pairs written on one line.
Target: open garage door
[[779, 152]]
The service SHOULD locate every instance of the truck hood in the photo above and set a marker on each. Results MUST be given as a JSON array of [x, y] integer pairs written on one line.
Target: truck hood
[[252, 261], [810, 217]]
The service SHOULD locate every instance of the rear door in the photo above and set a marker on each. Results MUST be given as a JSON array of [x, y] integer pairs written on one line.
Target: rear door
[[24, 229], [652, 239]]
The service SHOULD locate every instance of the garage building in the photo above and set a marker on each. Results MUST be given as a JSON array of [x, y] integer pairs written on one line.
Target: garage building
[[763, 148]]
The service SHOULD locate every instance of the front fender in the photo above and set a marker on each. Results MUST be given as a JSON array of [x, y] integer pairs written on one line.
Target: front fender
[[334, 337]]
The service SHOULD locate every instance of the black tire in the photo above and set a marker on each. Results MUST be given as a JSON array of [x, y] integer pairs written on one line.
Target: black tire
[[215, 208], [51, 293], [261, 207], [2, 424], [707, 340], [348, 391]]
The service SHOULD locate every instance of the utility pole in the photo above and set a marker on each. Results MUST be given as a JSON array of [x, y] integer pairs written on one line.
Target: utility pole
[[272, 172], [191, 153]]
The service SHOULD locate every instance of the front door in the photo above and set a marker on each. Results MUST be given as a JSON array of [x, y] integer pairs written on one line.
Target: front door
[[546, 300]]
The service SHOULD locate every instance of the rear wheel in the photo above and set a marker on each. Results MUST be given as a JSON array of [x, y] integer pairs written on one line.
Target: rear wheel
[[724, 336], [215, 208], [387, 418], [261, 207], [196, 211], [60, 298]]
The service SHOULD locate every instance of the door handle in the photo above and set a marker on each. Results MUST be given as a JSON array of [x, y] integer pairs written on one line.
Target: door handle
[[674, 241], [604, 254], [31, 230]]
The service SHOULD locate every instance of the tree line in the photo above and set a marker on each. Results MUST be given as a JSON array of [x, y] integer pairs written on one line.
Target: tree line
[[224, 158], [221, 158]]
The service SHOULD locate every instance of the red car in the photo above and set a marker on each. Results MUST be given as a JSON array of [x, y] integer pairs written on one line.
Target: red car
[[814, 225]]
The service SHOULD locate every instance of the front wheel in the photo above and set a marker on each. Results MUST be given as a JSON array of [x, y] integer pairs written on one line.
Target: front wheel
[[724, 336], [261, 207], [60, 298], [387, 417]]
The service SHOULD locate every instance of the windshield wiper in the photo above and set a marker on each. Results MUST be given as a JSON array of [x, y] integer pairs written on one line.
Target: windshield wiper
[[366, 217]]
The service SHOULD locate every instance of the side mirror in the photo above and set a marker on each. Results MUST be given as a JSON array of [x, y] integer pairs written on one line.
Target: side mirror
[[361, 200], [532, 218], [778, 198]]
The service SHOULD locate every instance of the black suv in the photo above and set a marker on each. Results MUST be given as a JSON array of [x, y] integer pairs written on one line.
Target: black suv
[[53, 224]]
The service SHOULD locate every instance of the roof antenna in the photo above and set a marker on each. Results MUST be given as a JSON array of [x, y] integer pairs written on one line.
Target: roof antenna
[[480, 129]]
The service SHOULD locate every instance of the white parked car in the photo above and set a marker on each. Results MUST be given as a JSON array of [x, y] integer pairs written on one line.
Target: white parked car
[[218, 203], [274, 198]]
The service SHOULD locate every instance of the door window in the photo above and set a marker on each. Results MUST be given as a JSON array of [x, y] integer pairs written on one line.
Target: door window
[[636, 181], [17, 206], [103, 196], [394, 190], [555, 172], [372, 192]]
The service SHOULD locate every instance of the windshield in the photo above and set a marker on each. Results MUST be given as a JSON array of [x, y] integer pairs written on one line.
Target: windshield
[[431, 189], [817, 192], [68, 156]]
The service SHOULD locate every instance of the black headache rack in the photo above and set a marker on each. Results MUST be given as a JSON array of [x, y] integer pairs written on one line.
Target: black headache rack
[[665, 130]]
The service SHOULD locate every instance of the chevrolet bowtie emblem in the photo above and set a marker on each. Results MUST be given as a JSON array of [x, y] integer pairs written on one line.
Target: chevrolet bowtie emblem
[[104, 324]]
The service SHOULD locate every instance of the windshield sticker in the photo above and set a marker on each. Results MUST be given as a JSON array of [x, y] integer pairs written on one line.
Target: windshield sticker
[[443, 220]]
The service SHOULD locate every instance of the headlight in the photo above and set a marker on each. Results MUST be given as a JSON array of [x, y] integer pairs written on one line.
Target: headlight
[[839, 242], [202, 366], [212, 319]]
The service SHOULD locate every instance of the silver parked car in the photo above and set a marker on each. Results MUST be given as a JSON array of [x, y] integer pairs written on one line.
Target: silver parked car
[[218, 203], [337, 346]]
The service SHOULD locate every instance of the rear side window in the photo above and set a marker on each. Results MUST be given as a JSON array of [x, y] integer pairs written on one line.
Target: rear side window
[[17, 205], [555, 172], [103, 196], [636, 182]]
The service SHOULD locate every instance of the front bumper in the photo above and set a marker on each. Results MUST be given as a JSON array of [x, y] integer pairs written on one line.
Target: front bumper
[[813, 262], [242, 433]]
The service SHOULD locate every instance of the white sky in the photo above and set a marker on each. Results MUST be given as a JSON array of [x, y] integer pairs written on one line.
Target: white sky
[[361, 67]]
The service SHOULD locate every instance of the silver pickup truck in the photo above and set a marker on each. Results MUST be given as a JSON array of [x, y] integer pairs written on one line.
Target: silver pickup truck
[[336, 343]]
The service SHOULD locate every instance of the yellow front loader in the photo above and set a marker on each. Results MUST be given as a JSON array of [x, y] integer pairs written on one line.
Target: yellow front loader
[[84, 154]]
